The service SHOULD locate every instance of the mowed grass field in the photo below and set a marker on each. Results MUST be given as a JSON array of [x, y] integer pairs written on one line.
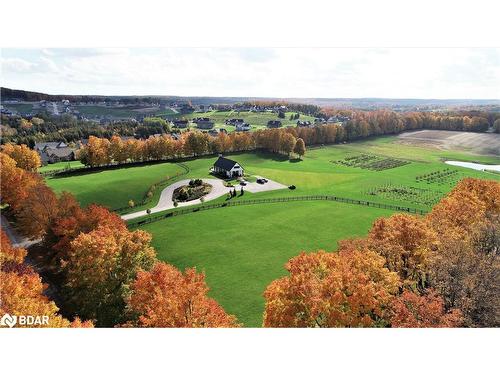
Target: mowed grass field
[[122, 112], [242, 249], [115, 187]]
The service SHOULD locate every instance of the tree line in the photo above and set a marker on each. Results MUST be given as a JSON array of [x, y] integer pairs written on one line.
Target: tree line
[[101, 151]]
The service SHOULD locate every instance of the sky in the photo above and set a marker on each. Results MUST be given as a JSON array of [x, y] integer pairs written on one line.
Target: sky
[[427, 73]]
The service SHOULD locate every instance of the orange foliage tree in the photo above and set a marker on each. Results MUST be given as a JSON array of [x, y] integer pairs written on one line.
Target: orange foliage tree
[[405, 242], [344, 289], [411, 310], [15, 182], [22, 290], [99, 268], [166, 297], [25, 158]]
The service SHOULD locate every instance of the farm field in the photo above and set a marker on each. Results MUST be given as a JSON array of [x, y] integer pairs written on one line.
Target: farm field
[[243, 248]]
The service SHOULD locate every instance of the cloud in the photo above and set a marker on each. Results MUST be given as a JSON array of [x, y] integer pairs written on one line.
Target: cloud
[[16, 65], [83, 52], [276, 72]]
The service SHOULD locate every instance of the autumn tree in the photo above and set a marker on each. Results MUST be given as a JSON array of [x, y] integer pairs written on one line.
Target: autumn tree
[[15, 182], [344, 289], [99, 267], [410, 310], [299, 148], [287, 143], [166, 297], [404, 241], [22, 291], [468, 204], [496, 125], [9, 253], [25, 158], [67, 227], [466, 273], [117, 150], [37, 210]]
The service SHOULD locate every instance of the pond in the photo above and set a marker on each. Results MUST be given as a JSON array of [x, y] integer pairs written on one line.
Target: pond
[[476, 166]]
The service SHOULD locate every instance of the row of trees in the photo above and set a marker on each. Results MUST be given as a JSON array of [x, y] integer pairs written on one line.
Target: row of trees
[[104, 273], [441, 270], [101, 151]]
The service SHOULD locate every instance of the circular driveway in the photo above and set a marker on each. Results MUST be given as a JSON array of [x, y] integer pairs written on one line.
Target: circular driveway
[[218, 189]]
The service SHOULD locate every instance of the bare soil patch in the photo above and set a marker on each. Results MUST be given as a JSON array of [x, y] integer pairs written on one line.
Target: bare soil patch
[[478, 143]]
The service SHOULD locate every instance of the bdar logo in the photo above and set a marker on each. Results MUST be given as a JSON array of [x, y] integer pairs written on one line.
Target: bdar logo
[[8, 320]]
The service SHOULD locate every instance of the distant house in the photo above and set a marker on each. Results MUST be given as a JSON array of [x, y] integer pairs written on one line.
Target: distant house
[[274, 124], [235, 121], [40, 146], [53, 152], [203, 123], [303, 124], [186, 108], [181, 124], [227, 168], [242, 127], [338, 119]]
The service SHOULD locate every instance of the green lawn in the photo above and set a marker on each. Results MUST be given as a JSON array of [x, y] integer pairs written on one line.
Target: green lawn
[[242, 249], [113, 188], [21, 108], [121, 112], [61, 166]]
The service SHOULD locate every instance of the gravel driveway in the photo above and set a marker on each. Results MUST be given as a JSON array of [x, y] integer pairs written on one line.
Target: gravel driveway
[[218, 189]]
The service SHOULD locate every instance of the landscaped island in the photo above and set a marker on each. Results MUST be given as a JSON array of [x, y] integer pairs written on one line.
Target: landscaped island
[[196, 189]]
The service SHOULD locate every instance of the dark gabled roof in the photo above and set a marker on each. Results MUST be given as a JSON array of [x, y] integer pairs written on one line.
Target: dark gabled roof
[[223, 163], [50, 145], [60, 152]]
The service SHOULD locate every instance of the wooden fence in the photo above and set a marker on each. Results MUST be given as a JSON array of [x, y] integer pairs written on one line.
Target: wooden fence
[[205, 207]]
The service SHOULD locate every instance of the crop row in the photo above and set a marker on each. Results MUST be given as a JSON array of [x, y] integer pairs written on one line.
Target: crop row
[[372, 162]]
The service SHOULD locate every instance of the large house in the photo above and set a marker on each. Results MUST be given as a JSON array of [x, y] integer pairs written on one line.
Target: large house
[[181, 124], [53, 152], [203, 123], [304, 124], [242, 127], [274, 124], [227, 167]]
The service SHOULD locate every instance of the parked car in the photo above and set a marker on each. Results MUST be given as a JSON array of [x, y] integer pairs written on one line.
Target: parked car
[[260, 181], [243, 183]]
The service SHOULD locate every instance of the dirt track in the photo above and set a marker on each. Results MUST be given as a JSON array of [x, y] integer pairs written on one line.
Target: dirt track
[[477, 143]]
